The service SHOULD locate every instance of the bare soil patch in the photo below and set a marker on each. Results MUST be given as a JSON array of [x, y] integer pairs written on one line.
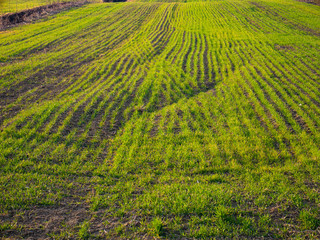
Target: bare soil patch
[[41, 221], [28, 15]]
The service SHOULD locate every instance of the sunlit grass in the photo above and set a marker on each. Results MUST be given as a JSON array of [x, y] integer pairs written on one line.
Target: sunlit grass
[[167, 120]]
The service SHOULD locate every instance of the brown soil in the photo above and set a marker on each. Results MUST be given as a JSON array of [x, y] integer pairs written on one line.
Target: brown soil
[[36, 81], [316, 2], [39, 222], [28, 15]]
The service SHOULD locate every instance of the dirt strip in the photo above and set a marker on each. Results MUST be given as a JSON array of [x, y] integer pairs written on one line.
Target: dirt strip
[[28, 15]]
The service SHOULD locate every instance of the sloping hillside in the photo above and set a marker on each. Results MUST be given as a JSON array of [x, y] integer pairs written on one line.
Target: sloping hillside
[[166, 120]]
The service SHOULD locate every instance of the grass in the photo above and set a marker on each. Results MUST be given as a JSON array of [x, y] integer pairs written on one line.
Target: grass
[[83, 231], [8, 6], [165, 120]]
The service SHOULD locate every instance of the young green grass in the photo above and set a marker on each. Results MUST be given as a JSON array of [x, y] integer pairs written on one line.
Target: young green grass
[[193, 119], [11, 6]]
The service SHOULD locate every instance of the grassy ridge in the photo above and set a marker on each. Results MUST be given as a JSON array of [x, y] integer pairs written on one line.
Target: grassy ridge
[[170, 120], [9, 6]]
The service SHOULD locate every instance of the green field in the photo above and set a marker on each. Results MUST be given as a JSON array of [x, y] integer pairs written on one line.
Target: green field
[[143, 120], [12, 6], [9, 6]]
